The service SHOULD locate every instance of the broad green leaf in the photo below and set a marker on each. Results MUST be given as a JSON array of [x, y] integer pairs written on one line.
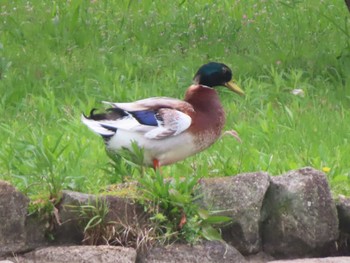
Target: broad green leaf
[[203, 214], [217, 219], [210, 233]]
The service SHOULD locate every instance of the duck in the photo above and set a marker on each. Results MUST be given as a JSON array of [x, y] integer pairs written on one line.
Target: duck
[[168, 130]]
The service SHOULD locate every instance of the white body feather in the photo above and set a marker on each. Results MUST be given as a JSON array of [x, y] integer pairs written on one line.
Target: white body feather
[[166, 151], [167, 142]]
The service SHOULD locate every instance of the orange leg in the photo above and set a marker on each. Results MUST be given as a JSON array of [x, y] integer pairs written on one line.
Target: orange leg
[[183, 220], [156, 165]]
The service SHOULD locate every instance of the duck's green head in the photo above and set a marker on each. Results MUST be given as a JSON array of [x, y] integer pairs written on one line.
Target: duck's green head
[[216, 74]]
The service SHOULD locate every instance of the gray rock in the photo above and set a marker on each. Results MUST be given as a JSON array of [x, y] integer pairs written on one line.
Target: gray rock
[[343, 207], [80, 254], [121, 210], [36, 230], [239, 197], [260, 257], [208, 252], [70, 231], [13, 212], [315, 260], [300, 217]]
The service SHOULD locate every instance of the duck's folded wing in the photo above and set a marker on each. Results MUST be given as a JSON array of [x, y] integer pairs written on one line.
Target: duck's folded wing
[[156, 118], [152, 103], [170, 122]]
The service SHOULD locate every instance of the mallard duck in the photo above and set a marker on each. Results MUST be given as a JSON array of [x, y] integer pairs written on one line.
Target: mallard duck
[[167, 129]]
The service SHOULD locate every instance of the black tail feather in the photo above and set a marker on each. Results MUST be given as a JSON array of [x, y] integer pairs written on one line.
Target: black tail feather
[[110, 114]]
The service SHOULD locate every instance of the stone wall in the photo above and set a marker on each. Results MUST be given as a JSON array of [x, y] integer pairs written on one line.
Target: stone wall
[[292, 215]]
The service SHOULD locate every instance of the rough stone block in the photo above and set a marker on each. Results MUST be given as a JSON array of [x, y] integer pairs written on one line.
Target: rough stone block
[[239, 197], [300, 216]]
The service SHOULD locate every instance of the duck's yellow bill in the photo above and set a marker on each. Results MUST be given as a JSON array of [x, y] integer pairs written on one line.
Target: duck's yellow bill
[[234, 87]]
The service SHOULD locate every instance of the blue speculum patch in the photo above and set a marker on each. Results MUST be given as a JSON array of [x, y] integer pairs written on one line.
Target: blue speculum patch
[[146, 117]]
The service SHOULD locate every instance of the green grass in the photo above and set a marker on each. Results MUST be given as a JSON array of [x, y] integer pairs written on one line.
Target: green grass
[[62, 58]]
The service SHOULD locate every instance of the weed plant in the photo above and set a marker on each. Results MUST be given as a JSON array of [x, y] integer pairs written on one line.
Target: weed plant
[[175, 212], [171, 204]]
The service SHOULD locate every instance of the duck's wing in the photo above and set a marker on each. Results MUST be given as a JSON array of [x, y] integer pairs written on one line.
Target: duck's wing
[[156, 118]]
